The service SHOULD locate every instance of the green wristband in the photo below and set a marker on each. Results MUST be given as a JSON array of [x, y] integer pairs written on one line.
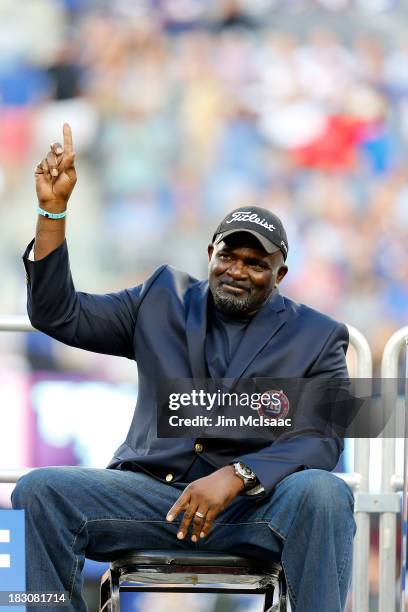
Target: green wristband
[[49, 215]]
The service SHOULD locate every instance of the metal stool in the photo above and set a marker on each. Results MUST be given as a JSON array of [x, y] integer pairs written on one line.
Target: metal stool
[[181, 571]]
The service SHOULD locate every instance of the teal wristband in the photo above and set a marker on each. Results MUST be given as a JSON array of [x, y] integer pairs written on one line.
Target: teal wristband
[[49, 215]]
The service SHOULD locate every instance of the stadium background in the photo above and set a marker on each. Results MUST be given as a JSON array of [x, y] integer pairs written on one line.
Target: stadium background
[[182, 110]]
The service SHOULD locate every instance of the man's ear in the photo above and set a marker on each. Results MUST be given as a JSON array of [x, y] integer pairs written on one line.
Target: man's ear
[[210, 251], [281, 273]]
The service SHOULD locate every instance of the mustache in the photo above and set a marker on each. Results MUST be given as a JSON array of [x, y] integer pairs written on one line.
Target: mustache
[[235, 284]]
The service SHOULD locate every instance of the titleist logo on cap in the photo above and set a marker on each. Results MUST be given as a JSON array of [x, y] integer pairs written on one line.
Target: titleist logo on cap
[[252, 218]]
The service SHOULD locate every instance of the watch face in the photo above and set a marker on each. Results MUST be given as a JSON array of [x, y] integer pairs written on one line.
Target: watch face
[[246, 472]]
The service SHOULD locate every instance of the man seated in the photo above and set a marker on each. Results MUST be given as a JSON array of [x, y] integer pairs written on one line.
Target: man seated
[[242, 496]]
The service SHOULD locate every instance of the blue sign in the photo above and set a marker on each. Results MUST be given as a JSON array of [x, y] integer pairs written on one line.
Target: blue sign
[[12, 554]]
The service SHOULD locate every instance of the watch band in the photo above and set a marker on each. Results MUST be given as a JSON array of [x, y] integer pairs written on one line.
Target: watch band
[[256, 490]]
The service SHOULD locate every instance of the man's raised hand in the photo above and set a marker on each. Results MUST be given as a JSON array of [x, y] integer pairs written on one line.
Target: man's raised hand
[[55, 175]]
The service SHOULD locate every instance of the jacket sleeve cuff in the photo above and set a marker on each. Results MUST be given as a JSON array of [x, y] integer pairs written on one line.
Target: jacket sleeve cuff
[[31, 265]]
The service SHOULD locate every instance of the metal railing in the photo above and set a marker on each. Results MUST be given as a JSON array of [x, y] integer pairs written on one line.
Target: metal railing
[[16, 324], [388, 519], [11, 476], [361, 554]]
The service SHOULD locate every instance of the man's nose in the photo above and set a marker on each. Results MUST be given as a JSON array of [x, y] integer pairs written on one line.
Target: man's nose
[[237, 270]]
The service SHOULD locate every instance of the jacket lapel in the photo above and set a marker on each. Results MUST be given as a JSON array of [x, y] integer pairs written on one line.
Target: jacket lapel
[[264, 325], [196, 327]]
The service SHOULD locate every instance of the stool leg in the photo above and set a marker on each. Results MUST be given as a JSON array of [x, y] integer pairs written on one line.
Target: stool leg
[[105, 593], [268, 603], [282, 604], [283, 595], [115, 591]]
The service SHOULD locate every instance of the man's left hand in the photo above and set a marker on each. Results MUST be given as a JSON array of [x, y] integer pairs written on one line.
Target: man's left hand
[[206, 496]]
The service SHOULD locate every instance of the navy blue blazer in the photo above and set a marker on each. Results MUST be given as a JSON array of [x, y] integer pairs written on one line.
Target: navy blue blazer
[[161, 324]]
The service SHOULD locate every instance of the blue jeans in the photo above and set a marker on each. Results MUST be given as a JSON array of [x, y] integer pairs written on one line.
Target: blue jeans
[[72, 513]]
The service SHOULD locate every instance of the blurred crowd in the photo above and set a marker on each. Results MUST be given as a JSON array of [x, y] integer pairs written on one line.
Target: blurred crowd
[[182, 110]]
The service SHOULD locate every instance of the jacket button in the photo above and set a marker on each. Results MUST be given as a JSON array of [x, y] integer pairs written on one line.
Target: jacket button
[[198, 447], [169, 477]]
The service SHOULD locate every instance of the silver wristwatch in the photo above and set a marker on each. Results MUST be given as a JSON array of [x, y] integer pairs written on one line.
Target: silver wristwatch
[[246, 474]]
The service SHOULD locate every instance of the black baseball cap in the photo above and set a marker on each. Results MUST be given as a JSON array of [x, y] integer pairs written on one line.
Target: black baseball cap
[[259, 222]]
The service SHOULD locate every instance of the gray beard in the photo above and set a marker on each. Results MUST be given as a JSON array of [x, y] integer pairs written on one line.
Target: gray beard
[[233, 305]]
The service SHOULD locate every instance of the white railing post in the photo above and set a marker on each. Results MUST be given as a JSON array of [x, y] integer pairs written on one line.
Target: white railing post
[[404, 508], [360, 579], [388, 520]]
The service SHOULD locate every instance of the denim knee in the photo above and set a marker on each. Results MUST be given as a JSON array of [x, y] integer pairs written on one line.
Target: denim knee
[[35, 485], [323, 491]]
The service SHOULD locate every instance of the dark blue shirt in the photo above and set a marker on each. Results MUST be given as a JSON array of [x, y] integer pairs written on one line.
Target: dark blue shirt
[[224, 334]]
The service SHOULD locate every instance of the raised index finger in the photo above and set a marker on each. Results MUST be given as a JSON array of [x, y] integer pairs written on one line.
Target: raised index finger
[[68, 147]]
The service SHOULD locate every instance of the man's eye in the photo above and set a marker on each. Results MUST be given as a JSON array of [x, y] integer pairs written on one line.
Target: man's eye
[[257, 267], [224, 257]]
